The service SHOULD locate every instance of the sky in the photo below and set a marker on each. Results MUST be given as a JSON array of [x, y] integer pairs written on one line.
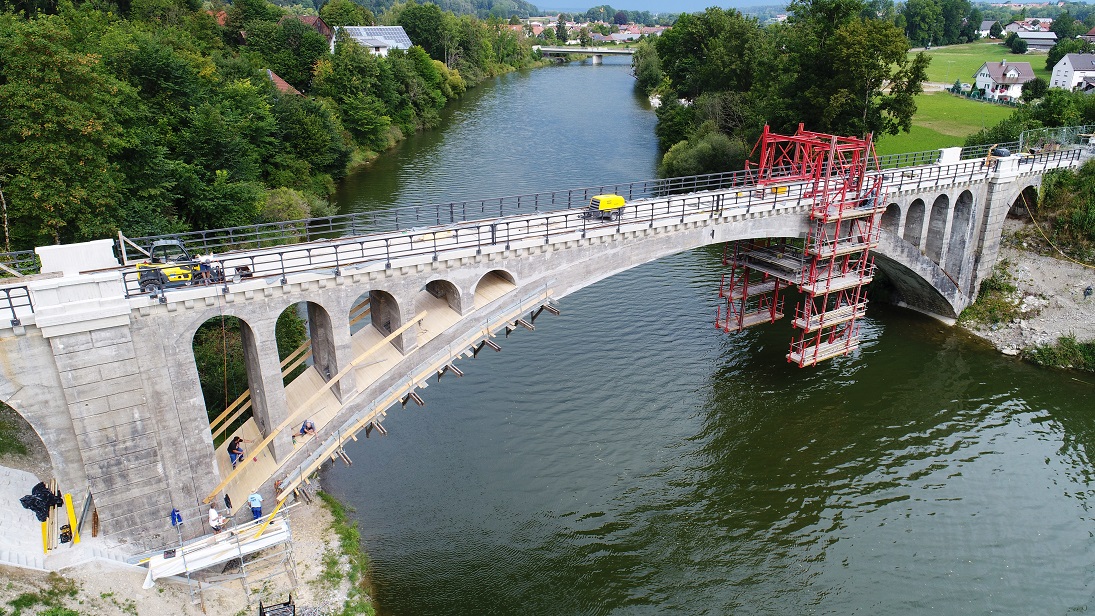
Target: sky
[[654, 6]]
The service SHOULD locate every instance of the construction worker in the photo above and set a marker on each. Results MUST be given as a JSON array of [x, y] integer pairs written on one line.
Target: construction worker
[[255, 501]]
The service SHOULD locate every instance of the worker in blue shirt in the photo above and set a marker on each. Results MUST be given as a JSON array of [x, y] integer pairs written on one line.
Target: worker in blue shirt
[[255, 500]]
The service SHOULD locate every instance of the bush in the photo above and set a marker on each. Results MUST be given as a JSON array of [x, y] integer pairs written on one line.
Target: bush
[[709, 153], [1067, 352], [994, 302]]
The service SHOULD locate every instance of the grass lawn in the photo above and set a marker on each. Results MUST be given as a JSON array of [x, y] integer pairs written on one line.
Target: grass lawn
[[962, 61], [942, 121]]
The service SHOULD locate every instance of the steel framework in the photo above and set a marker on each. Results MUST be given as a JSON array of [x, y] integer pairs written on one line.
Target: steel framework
[[831, 266]]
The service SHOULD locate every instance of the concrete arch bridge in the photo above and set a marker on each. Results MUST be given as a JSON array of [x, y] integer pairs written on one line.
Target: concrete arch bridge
[[106, 375]]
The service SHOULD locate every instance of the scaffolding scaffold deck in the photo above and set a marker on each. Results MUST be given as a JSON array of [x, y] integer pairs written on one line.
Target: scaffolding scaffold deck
[[831, 266]]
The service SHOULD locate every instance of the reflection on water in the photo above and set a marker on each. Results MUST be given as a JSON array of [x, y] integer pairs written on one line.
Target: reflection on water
[[628, 458]]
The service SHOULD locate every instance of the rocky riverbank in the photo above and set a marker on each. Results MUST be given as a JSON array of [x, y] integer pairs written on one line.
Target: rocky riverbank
[[1049, 295], [104, 588]]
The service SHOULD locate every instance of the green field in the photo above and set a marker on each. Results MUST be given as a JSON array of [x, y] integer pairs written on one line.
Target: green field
[[962, 61], [942, 120]]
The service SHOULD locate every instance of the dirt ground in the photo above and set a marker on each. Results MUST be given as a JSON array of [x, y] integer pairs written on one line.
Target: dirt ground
[[107, 589], [1050, 295]]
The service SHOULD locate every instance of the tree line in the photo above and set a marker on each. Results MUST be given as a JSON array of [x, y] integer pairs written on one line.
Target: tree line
[[833, 66], [159, 116]]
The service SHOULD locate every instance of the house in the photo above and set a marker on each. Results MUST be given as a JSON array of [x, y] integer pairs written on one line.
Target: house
[[986, 28], [1071, 71], [314, 22], [281, 84], [379, 39], [1090, 36], [1003, 81], [1042, 41]]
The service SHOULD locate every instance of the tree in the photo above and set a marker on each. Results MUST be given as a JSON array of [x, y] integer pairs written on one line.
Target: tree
[[584, 39], [561, 31], [1034, 89], [514, 20], [647, 66], [710, 51], [923, 22], [875, 82], [346, 13], [61, 129], [423, 24], [620, 18], [995, 30], [1018, 46]]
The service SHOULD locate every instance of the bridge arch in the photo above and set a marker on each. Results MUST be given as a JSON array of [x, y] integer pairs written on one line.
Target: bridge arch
[[1023, 199], [443, 290], [226, 360], [937, 228], [493, 285], [913, 287], [891, 219], [959, 237], [914, 223]]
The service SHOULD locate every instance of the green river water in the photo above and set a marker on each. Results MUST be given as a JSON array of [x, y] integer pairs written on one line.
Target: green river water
[[627, 458]]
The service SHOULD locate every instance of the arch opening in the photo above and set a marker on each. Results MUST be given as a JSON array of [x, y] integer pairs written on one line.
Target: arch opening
[[899, 285], [960, 233], [227, 362], [1021, 206], [373, 316], [937, 228], [891, 218], [440, 299], [492, 285], [914, 223], [21, 446]]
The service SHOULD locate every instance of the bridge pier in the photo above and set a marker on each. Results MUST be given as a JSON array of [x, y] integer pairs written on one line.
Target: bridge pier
[[1001, 190], [598, 59], [268, 400]]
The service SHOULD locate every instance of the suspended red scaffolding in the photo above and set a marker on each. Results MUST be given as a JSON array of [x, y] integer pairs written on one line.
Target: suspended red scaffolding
[[833, 264]]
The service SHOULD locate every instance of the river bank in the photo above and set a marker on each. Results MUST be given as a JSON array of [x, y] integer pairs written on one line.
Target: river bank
[[327, 571], [1049, 294]]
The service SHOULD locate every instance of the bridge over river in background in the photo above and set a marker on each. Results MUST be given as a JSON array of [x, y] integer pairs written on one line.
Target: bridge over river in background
[[105, 372]]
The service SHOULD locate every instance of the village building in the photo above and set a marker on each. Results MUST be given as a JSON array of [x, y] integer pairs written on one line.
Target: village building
[[1041, 41], [378, 39], [1074, 71], [1003, 81]]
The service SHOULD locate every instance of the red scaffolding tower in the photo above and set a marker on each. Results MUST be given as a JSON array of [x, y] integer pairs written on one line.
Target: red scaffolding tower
[[831, 266]]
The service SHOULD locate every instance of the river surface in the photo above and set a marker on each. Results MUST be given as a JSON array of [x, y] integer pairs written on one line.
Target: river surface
[[627, 458]]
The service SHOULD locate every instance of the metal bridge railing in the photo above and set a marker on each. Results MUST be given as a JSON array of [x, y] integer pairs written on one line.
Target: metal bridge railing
[[412, 217], [13, 301], [473, 236], [409, 219]]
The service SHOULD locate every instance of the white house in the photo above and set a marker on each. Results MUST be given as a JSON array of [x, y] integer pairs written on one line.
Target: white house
[[378, 39], [1071, 71], [986, 28], [1003, 80]]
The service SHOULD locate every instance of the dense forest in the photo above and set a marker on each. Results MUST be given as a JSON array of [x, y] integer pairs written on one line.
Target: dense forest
[[832, 65], [156, 116]]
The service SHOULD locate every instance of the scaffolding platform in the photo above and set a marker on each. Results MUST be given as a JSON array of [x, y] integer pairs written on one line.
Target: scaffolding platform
[[748, 320], [183, 561], [809, 355], [828, 318]]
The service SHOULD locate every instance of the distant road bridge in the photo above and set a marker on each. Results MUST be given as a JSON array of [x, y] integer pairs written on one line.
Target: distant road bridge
[[598, 53], [106, 376]]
